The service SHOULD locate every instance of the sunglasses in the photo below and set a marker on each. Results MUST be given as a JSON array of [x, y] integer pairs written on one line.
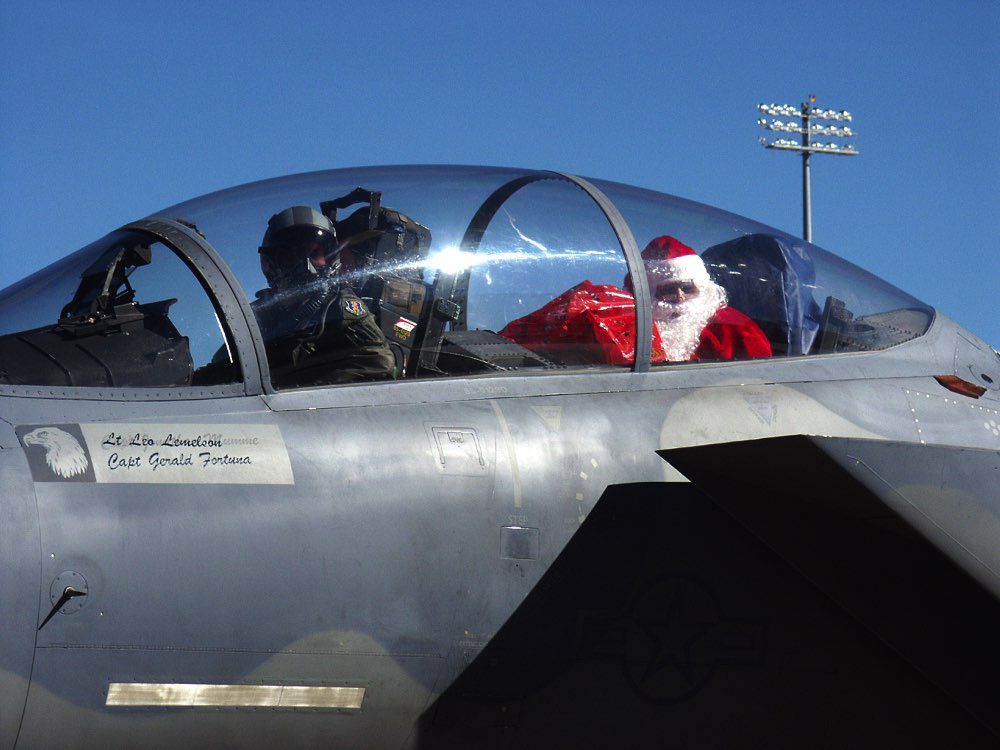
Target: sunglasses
[[672, 290]]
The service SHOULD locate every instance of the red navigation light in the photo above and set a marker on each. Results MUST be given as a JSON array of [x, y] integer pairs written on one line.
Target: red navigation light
[[957, 385]]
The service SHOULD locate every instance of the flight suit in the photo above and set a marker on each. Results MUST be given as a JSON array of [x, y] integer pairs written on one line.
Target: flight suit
[[328, 338]]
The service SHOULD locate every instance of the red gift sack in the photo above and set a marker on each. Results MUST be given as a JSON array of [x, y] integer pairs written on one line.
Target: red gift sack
[[588, 324]]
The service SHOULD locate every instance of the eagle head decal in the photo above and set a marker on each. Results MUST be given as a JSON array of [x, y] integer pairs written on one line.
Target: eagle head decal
[[63, 452]]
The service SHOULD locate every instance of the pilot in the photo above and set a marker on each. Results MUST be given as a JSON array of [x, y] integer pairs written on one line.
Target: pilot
[[317, 331], [689, 309]]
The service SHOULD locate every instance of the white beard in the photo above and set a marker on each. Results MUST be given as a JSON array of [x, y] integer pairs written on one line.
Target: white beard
[[680, 324]]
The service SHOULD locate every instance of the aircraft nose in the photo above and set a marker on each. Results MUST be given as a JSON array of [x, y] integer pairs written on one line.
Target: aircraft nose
[[19, 581]]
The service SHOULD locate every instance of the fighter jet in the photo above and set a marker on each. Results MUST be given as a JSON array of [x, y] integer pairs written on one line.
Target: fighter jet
[[427, 456]]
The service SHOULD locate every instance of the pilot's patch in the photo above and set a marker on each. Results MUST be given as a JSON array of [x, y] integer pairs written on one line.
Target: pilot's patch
[[403, 328], [157, 453], [56, 453], [354, 307]]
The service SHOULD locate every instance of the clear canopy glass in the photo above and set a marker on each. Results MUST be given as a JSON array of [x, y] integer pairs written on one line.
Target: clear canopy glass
[[432, 271], [123, 312]]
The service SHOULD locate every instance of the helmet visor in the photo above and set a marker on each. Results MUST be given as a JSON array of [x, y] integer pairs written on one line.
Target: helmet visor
[[298, 252]]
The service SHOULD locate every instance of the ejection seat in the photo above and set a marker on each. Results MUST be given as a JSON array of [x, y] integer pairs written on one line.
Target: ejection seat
[[770, 280], [386, 251]]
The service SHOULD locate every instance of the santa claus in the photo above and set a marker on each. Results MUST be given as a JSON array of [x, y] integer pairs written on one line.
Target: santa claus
[[595, 323], [689, 309]]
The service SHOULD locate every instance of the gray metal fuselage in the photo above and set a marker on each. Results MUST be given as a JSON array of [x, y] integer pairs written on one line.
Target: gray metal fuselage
[[577, 557], [392, 561]]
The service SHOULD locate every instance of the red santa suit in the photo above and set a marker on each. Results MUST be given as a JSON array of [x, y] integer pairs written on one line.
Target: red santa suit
[[731, 335]]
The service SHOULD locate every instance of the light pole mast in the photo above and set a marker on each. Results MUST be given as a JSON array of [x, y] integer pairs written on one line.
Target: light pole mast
[[807, 213], [807, 113]]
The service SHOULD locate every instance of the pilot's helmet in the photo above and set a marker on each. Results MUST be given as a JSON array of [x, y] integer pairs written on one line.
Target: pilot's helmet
[[300, 244]]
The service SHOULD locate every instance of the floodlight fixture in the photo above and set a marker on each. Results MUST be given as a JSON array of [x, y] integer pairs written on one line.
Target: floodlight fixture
[[807, 113]]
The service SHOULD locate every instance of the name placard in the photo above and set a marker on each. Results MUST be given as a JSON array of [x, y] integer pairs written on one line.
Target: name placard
[[157, 453]]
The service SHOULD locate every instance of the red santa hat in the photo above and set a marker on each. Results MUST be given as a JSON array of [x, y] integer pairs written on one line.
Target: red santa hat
[[669, 257]]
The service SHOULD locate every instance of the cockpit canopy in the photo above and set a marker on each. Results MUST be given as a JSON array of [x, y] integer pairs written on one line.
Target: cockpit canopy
[[462, 270]]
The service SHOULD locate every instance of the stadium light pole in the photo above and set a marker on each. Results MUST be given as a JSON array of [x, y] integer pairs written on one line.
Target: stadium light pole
[[807, 113]]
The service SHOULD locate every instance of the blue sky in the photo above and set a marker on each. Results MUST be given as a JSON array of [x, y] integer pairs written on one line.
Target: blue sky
[[112, 110]]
